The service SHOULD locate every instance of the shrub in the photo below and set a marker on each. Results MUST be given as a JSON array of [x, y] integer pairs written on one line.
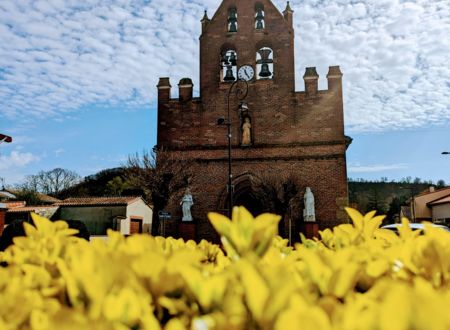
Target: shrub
[[356, 276]]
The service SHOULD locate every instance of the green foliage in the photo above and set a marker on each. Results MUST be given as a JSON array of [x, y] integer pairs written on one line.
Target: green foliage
[[356, 276]]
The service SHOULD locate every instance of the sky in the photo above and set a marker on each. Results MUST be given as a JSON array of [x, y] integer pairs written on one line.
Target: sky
[[78, 79]]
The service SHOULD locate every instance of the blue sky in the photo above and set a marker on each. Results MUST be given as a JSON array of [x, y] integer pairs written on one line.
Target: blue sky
[[77, 82]]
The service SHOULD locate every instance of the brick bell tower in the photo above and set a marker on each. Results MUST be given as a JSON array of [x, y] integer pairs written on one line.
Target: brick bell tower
[[276, 130]]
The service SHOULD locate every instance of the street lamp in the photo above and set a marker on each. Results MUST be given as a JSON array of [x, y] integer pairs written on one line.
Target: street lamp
[[445, 153], [240, 89], [5, 138]]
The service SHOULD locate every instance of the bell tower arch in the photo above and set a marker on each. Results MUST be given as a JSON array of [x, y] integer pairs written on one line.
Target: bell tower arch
[[258, 23]]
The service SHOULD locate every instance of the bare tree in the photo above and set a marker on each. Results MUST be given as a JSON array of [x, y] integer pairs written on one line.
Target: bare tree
[[160, 174], [282, 195], [51, 182]]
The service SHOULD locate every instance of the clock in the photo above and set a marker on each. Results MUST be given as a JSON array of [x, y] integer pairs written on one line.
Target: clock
[[246, 72]]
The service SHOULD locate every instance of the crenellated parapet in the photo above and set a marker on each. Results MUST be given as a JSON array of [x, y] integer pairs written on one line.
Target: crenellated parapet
[[163, 90], [185, 90], [185, 87], [311, 79]]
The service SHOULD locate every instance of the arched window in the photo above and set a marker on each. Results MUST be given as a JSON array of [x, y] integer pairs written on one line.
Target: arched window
[[259, 17], [232, 20], [228, 63], [264, 63]]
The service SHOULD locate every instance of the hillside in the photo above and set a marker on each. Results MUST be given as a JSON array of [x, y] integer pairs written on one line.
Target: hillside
[[384, 197]]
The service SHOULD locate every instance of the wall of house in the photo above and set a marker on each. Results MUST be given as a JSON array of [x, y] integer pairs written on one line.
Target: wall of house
[[98, 219], [141, 209], [421, 210], [441, 213]]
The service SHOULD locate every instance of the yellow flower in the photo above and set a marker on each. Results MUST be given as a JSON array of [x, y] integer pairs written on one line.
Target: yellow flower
[[245, 234]]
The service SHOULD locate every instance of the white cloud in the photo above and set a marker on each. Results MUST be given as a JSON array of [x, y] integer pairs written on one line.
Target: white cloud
[[376, 168], [61, 55], [16, 159]]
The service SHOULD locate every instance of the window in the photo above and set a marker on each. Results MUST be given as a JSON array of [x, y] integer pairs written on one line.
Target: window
[[229, 66], [259, 17], [232, 20], [264, 63]]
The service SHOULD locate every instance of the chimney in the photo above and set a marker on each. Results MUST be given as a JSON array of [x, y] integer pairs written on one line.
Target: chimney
[[163, 90], [185, 89], [311, 79], [288, 14]]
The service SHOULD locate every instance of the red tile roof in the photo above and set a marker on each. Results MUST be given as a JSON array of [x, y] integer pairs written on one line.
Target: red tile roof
[[443, 200], [88, 201], [427, 191], [27, 209], [12, 205], [42, 197]]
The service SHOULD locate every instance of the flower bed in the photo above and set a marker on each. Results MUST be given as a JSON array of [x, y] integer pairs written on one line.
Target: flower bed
[[356, 276]]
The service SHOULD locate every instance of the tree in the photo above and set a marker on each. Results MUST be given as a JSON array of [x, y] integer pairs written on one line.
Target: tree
[[376, 202], [395, 208], [281, 195], [116, 186], [160, 174], [440, 184], [51, 182]]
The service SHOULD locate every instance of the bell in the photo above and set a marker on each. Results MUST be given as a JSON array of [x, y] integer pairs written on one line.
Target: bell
[[232, 59], [259, 19], [265, 72], [233, 27], [232, 19], [259, 25], [233, 15], [224, 59], [229, 74]]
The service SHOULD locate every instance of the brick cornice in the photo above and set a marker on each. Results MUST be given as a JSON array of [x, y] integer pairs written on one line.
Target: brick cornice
[[257, 146], [273, 159]]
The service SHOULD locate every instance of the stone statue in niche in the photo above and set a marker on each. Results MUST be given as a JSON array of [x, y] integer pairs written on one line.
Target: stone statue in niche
[[309, 214], [246, 132], [186, 203]]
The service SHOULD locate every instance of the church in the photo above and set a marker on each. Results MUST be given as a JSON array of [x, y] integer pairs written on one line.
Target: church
[[250, 130]]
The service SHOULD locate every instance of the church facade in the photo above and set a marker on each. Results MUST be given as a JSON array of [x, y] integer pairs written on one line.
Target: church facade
[[247, 80]]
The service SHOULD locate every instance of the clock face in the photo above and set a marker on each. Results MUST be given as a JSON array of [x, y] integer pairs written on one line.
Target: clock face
[[246, 73]]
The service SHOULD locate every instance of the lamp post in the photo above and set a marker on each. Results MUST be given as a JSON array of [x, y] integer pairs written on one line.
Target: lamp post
[[240, 90], [5, 138]]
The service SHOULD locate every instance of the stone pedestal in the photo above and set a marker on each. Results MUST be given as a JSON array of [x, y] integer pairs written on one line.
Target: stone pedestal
[[186, 231], [310, 229]]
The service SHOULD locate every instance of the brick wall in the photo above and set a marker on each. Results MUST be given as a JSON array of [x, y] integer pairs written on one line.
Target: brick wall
[[292, 131]]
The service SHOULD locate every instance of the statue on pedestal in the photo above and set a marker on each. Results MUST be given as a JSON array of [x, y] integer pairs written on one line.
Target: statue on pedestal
[[186, 204], [309, 214]]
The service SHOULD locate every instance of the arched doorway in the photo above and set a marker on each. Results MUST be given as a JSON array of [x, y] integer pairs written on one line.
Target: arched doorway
[[251, 202], [244, 195], [256, 202]]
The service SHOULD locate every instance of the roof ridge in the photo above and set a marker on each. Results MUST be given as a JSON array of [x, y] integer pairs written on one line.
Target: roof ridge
[[427, 191], [438, 199]]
